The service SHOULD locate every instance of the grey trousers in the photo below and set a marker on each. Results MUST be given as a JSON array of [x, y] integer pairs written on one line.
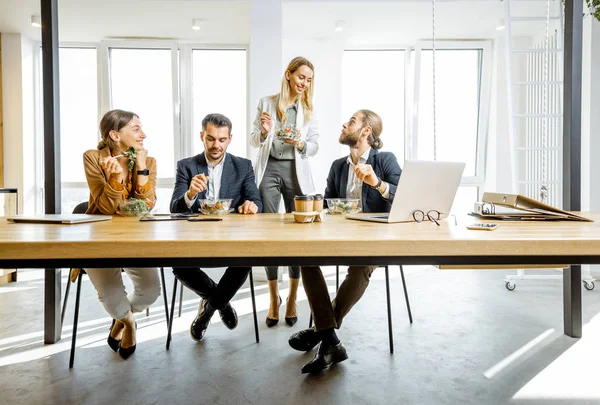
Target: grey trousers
[[279, 179]]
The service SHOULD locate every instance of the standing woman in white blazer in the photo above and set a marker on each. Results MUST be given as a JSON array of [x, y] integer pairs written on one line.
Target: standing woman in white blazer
[[282, 166]]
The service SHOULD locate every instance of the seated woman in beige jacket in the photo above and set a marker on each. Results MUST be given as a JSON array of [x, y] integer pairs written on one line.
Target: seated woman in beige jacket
[[111, 180]]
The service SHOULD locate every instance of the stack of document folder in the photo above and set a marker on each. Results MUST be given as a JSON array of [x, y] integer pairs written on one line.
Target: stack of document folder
[[499, 206]]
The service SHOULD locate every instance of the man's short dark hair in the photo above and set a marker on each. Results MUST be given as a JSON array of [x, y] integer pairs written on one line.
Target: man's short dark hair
[[218, 120]]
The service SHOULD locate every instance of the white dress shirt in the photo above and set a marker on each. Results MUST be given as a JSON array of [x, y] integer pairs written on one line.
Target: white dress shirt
[[215, 172], [354, 185]]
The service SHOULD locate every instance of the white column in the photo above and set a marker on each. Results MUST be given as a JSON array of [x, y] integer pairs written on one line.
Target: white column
[[265, 67], [18, 103], [590, 121]]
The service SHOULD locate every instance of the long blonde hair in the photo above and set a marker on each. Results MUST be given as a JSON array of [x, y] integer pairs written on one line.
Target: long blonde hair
[[307, 95]]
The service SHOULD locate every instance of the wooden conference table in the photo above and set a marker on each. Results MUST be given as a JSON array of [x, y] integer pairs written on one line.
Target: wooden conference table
[[274, 239]]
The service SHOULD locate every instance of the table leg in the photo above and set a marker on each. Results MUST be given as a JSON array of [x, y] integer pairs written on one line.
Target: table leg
[[52, 286], [572, 301]]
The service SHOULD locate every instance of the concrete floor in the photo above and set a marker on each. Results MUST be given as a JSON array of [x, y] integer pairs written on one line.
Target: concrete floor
[[472, 342]]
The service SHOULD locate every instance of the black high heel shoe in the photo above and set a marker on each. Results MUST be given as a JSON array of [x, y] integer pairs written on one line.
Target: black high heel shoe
[[126, 352], [112, 342], [290, 320], [272, 322]]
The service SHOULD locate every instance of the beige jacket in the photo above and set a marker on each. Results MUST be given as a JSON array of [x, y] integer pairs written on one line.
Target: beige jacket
[[104, 199], [310, 134]]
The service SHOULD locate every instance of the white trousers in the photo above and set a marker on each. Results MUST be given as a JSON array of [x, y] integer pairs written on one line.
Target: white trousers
[[112, 294]]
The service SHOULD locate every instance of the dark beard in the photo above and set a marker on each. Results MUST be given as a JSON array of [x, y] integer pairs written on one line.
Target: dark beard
[[351, 139]]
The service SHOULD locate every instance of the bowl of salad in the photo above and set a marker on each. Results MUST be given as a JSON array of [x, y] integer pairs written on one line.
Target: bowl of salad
[[215, 207], [135, 207], [287, 132], [342, 206]]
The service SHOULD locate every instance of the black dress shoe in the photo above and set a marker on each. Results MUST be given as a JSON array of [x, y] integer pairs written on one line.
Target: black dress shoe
[[291, 320], [304, 340], [126, 352], [199, 325], [326, 356], [112, 342], [229, 316]]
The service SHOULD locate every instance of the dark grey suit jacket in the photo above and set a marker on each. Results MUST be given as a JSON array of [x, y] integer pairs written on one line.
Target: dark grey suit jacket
[[237, 182], [386, 167]]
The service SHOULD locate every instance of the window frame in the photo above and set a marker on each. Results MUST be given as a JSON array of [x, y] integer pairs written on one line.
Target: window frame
[[39, 124], [485, 78], [407, 89], [186, 92]]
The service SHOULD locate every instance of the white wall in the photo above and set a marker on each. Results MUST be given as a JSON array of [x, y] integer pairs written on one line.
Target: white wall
[[265, 67], [19, 123]]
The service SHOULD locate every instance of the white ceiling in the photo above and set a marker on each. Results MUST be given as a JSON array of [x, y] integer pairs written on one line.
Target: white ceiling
[[398, 22]]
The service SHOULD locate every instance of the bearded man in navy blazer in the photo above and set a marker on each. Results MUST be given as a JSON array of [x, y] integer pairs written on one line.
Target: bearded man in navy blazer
[[214, 174], [371, 177]]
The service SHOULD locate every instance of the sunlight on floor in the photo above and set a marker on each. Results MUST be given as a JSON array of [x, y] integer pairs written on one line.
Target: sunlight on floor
[[93, 333], [523, 353], [573, 375]]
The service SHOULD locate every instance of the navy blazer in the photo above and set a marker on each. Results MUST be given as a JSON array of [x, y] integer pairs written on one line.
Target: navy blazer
[[386, 167], [237, 182]]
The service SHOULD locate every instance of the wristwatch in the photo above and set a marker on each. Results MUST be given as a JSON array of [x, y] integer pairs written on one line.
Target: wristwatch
[[376, 187], [144, 172]]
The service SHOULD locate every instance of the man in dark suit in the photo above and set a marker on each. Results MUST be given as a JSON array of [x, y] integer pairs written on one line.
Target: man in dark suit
[[214, 174], [371, 177]]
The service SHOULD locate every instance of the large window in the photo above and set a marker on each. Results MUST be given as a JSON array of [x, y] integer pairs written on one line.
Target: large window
[[457, 106], [141, 80], [375, 80], [462, 83], [219, 86], [379, 80], [78, 87]]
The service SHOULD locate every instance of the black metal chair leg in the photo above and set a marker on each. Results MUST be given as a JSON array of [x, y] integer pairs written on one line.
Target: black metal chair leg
[[389, 308], [254, 307], [172, 312], [337, 278], [406, 295], [164, 291], [310, 320], [64, 308], [75, 320], [180, 300]]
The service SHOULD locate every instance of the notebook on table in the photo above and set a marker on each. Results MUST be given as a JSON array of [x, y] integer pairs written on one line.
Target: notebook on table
[[58, 218]]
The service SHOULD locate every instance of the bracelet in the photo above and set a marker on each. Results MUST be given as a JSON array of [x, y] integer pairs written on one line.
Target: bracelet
[[145, 172]]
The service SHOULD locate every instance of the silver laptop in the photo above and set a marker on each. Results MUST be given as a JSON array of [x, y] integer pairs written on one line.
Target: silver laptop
[[58, 218], [424, 185]]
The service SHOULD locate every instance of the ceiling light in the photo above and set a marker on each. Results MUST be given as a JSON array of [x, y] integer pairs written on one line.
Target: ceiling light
[[500, 26], [339, 26], [36, 21], [196, 24]]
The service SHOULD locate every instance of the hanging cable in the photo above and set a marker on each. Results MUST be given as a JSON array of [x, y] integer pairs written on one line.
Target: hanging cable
[[544, 186], [433, 56]]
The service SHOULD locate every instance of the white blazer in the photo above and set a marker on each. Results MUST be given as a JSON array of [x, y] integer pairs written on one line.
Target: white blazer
[[310, 135]]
